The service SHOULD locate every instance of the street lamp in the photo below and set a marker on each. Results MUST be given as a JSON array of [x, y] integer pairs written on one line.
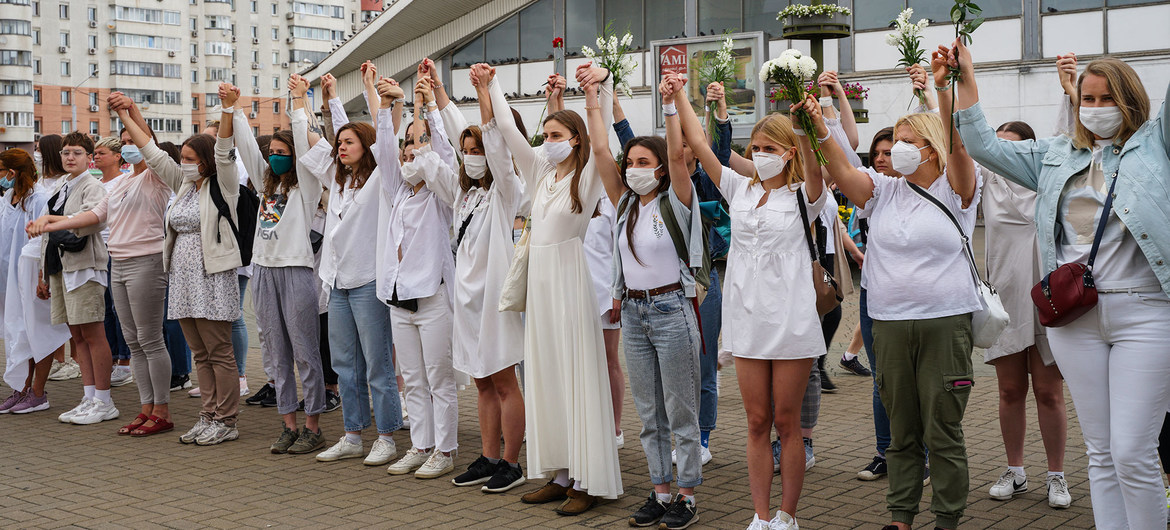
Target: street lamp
[[73, 99]]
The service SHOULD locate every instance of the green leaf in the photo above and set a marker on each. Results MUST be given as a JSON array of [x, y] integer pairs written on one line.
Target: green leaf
[[957, 15], [972, 7], [973, 25], [975, 11]]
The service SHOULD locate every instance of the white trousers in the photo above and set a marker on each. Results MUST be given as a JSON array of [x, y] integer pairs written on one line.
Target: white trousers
[[422, 345], [1116, 360]]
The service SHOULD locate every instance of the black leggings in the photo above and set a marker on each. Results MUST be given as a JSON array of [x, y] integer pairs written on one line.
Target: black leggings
[[326, 363], [1164, 444]]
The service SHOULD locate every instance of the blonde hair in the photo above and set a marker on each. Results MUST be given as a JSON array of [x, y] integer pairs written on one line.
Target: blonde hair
[[1128, 92], [778, 128], [114, 145], [929, 127]]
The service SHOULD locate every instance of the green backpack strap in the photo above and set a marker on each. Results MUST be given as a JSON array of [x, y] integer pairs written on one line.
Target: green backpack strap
[[679, 238]]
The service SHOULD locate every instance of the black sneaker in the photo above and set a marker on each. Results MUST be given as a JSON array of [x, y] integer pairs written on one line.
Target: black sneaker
[[827, 386], [650, 513], [874, 471], [332, 401], [506, 477], [680, 514], [269, 399], [180, 382], [855, 367], [261, 394], [480, 471]]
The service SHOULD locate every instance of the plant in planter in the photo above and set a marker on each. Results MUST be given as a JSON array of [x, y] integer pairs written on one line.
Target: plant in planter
[[817, 21]]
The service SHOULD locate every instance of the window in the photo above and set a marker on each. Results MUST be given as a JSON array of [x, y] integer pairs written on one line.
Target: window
[[211, 100], [218, 48], [64, 41], [66, 126], [195, 128], [66, 97], [274, 8], [218, 74], [502, 43], [626, 16], [92, 69], [93, 128], [275, 82], [91, 14], [143, 96], [716, 17], [879, 14], [92, 41], [37, 96], [667, 22], [17, 119], [194, 23], [171, 97], [276, 107], [36, 33], [581, 27], [536, 33], [256, 81], [37, 126], [470, 54], [318, 9], [256, 56], [275, 33], [255, 131], [93, 99], [255, 106], [253, 5], [218, 22], [194, 76], [15, 27], [276, 57], [194, 102], [305, 32], [18, 88], [15, 2], [155, 16], [167, 125], [194, 49], [255, 32], [129, 40], [65, 68], [36, 64], [136, 68], [63, 11], [308, 57]]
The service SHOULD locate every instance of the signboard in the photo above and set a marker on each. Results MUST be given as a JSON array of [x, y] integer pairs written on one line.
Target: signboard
[[372, 5], [746, 100]]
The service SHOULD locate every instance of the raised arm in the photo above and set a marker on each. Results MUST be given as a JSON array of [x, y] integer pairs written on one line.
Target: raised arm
[[680, 176], [298, 88], [440, 143], [721, 145], [522, 151], [328, 114], [555, 93], [833, 86], [386, 155], [1066, 69], [246, 147], [814, 185], [598, 109], [854, 183], [693, 132], [369, 81], [919, 80], [960, 167], [156, 159]]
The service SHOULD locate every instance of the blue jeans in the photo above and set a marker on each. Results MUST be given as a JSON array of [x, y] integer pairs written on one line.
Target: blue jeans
[[240, 331], [118, 348], [711, 315], [359, 343], [661, 339], [176, 344], [881, 422]]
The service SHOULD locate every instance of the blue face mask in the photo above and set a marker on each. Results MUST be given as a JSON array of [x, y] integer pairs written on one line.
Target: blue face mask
[[7, 183], [131, 154], [280, 164]]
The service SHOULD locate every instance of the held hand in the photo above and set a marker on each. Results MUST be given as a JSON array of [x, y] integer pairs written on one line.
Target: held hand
[[369, 73], [389, 90], [961, 57], [829, 83], [432, 72], [939, 65], [423, 90], [715, 92], [666, 89], [588, 74], [228, 95], [812, 107], [556, 86], [1066, 68], [328, 87], [37, 226], [42, 290], [118, 101], [423, 71], [298, 85], [858, 258], [483, 74], [917, 76], [615, 313]]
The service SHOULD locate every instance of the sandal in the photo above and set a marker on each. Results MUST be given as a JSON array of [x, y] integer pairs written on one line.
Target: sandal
[[160, 425], [138, 421]]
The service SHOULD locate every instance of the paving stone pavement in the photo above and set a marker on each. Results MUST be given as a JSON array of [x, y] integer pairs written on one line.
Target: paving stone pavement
[[55, 475]]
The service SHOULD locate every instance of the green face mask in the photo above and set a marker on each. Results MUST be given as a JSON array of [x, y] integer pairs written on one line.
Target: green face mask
[[280, 164]]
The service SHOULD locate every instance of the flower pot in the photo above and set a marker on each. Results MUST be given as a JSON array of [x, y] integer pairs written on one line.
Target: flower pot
[[834, 26], [860, 114]]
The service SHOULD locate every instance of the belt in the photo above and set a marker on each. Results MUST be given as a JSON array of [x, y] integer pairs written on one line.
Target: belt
[[647, 293], [1131, 290]]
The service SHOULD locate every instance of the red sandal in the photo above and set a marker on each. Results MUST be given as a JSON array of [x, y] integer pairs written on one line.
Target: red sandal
[[160, 425], [138, 421]]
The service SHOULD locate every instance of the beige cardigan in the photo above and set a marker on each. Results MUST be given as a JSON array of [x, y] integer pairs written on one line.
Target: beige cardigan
[[87, 192], [220, 251]]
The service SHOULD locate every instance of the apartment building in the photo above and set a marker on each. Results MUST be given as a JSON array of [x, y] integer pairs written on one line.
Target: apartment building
[[60, 59]]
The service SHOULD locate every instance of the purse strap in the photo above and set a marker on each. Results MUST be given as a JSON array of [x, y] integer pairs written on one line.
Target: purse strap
[[807, 227], [1101, 223], [966, 240]]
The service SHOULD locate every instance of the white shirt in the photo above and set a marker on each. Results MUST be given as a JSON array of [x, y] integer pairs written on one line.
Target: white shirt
[[914, 263], [109, 186], [658, 264], [598, 245], [419, 229], [828, 216]]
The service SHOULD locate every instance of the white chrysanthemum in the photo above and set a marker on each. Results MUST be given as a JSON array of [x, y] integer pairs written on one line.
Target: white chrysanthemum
[[808, 67], [766, 69]]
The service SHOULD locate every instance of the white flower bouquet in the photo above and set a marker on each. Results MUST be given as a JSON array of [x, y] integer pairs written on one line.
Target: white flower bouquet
[[907, 38], [719, 68], [791, 70], [801, 10], [612, 55]]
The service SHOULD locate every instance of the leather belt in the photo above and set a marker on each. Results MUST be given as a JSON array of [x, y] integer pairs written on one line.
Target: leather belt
[[647, 293]]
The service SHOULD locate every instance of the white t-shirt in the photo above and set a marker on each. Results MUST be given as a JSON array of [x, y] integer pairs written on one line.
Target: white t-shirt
[[109, 186], [828, 217], [659, 261], [914, 263]]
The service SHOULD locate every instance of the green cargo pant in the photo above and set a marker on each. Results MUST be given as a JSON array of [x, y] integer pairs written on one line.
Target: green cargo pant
[[925, 378]]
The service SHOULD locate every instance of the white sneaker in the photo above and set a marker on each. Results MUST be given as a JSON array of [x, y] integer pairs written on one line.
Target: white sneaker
[[621, 439], [121, 375], [704, 455], [381, 453], [69, 370], [341, 450], [1058, 496], [196, 430], [244, 386], [54, 368], [437, 465], [97, 412], [413, 460], [1008, 486], [759, 524], [67, 416], [194, 392], [218, 433], [783, 521]]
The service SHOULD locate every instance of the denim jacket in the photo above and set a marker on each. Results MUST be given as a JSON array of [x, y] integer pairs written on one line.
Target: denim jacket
[[694, 244], [1142, 197]]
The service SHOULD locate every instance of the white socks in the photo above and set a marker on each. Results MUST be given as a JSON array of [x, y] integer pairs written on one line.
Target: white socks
[[355, 439], [562, 478], [103, 396], [1056, 474], [849, 356], [1019, 471], [90, 390], [386, 437], [664, 497]]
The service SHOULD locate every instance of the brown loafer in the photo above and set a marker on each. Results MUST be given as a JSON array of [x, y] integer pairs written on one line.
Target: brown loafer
[[578, 503], [548, 493]]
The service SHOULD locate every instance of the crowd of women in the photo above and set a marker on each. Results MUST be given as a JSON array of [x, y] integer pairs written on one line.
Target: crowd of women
[[462, 250]]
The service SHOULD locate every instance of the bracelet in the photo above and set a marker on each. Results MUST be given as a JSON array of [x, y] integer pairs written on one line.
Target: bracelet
[[798, 132], [825, 139], [228, 110], [595, 107], [826, 101], [944, 87], [669, 109]]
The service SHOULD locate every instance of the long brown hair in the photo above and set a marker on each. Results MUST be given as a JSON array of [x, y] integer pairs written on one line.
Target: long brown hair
[[365, 166], [466, 182], [657, 147], [884, 135], [21, 162], [50, 148], [580, 155], [204, 147], [1126, 88], [286, 182]]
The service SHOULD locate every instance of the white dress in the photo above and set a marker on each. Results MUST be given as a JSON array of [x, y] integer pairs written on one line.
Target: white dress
[[1013, 264], [769, 309], [599, 254], [567, 404]]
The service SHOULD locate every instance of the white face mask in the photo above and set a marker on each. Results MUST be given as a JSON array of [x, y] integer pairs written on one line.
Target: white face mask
[[39, 162], [1101, 121], [557, 152], [768, 165], [475, 166], [190, 172], [411, 173], [905, 158], [642, 180]]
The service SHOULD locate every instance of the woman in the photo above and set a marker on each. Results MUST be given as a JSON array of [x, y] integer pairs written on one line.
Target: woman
[[660, 326], [359, 323], [200, 254], [1112, 356], [107, 158], [922, 336], [283, 285], [774, 347], [1013, 268], [29, 338], [134, 210], [569, 415]]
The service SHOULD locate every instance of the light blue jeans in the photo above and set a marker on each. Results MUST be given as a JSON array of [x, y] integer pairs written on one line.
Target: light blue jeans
[[661, 339], [359, 343], [240, 331]]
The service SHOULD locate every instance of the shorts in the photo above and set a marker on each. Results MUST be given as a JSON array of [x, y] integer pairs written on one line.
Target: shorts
[[83, 305]]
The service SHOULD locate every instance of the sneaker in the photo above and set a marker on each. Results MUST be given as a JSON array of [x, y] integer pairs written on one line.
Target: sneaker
[[67, 416], [875, 470], [218, 433], [926, 476], [775, 456], [381, 453], [54, 368], [506, 477], [97, 412], [281, 445], [244, 386], [1058, 496], [261, 394], [341, 450], [681, 514], [196, 430], [121, 375], [32, 403], [436, 466], [307, 442], [704, 455], [1009, 485], [480, 471], [809, 459], [650, 513], [12, 400], [783, 521], [194, 392], [413, 460], [269, 399], [69, 370], [855, 367], [759, 524], [621, 439], [180, 382], [827, 386], [332, 401]]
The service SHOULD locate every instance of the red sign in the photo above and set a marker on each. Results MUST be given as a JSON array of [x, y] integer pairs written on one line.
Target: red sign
[[371, 5], [673, 60]]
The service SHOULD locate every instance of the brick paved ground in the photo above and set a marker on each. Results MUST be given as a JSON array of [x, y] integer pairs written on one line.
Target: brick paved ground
[[57, 475]]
